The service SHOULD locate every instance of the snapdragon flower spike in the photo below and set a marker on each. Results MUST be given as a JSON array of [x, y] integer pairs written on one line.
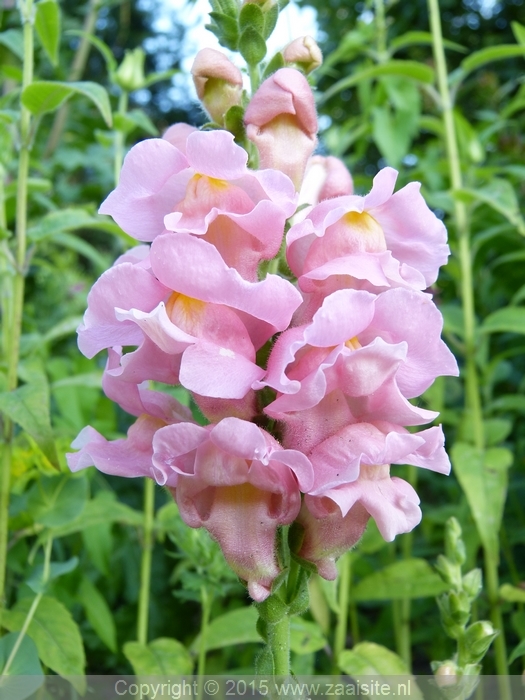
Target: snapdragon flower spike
[[235, 480], [131, 456], [374, 242], [207, 191]]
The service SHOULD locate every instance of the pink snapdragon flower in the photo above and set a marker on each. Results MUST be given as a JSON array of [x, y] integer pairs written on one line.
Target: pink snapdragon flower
[[218, 82], [374, 242], [207, 191], [235, 480], [282, 122], [131, 456]]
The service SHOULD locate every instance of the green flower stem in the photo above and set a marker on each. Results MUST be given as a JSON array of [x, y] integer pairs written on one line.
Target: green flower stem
[[255, 78], [382, 54], [13, 331], [344, 600], [119, 135], [34, 605], [145, 565], [473, 401], [205, 619], [405, 636], [76, 72], [279, 642]]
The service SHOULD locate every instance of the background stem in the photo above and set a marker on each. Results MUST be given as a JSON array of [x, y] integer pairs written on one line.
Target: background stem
[[344, 599], [119, 136], [145, 566]]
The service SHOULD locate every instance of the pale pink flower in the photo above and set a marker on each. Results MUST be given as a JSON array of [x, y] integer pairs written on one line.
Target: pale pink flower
[[282, 122], [374, 242], [190, 304], [218, 82], [208, 192], [303, 53], [235, 480], [326, 177]]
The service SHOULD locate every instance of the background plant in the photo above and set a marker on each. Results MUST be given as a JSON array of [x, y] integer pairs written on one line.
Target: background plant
[[383, 104]]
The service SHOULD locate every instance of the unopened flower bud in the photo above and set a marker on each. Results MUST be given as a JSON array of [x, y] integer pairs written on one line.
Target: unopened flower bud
[[303, 54], [130, 73], [472, 583], [478, 638], [217, 81], [446, 674], [282, 122], [454, 546], [325, 177]]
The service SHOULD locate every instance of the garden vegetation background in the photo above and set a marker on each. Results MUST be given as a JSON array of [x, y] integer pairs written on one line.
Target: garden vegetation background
[[105, 567]]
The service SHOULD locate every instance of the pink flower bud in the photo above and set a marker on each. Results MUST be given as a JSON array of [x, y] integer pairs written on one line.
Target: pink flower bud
[[304, 54], [282, 122], [326, 177], [217, 81]]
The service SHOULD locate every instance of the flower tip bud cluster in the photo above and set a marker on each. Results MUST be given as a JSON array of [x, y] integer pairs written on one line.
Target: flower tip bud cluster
[[446, 674], [304, 54], [130, 73], [218, 83]]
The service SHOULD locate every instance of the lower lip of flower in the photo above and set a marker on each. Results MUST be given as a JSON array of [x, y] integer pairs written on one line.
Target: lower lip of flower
[[363, 227]]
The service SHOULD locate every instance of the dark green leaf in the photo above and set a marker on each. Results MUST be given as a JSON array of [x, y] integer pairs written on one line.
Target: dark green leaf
[[498, 194], [47, 26], [36, 579], [369, 659], [410, 578], [44, 96], [162, 657], [518, 651], [55, 634], [235, 627], [58, 500], [511, 319], [512, 594], [25, 674], [483, 478], [408, 69], [519, 32], [13, 40], [98, 613]]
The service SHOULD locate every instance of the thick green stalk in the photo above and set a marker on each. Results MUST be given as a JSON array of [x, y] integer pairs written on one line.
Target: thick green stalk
[[145, 565], [77, 69], [279, 642], [34, 605], [15, 316], [119, 135], [473, 401], [344, 600], [382, 54], [405, 606]]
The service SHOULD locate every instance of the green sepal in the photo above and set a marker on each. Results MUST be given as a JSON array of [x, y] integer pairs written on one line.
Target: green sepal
[[262, 628], [301, 599], [308, 565], [279, 580], [251, 15], [264, 664], [272, 610], [252, 46], [274, 65], [472, 583], [234, 123], [283, 550]]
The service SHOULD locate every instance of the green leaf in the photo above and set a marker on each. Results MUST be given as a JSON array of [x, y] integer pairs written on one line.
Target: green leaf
[[101, 509], [100, 45], [153, 78], [518, 651], [60, 221], [498, 194], [483, 478], [25, 674], [56, 569], [57, 500], [55, 634], [79, 245], [410, 578], [252, 46], [251, 15], [162, 657], [98, 613], [512, 594], [28, 406], [136, 119], [62, 329], [369, 659], [44, 96], [492, 53], [511, 319], [306, 637], [47, 26], [408, 69], [13, 40], [235, 627], [519, 32], [415, 38]]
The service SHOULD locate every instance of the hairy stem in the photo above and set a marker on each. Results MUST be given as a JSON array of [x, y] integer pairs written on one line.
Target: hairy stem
[[145, 565], [17, 294], [279, 642]]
